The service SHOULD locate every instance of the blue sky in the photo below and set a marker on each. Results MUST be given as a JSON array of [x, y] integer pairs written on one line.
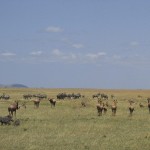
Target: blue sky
[[75, 43]]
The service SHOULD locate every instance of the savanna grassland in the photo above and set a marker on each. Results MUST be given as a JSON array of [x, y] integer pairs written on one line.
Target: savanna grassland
[[69, 126]]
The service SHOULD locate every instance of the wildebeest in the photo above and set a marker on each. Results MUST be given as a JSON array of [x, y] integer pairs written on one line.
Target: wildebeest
[[40, 96], [96, 95], [131, 108], [6, 120], [52, 102], [4, 96], [104, 96], [27, 96], [114, 107], [12, 108], [62, 96], [36, 102]]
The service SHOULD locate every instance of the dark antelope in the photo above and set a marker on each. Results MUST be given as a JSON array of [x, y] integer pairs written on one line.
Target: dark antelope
[[52, 102], [12, 108]]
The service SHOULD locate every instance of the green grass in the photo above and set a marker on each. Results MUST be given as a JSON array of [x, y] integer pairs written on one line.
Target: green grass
[[72, 127]]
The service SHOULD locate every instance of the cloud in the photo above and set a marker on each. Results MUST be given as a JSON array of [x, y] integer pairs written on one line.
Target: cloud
[[58, 55], [134, 43], [53, 29], [36, 53], [77, 46], [57, 52], [95, 56], [8, 54]]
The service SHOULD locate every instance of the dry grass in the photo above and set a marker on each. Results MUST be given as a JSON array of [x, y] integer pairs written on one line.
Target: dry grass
[[69, 126]]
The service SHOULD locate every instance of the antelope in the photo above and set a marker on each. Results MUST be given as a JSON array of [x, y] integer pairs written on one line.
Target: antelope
[[114, 107], [12, 108], [131, 108], [104, 108], [99, 108], [36, 102], [52, 102]]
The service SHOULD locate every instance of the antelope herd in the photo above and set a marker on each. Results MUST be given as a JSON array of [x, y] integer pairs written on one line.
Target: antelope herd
[[102, 106]]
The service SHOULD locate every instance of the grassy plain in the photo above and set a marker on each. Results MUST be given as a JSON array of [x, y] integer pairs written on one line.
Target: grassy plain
[[69, 126]]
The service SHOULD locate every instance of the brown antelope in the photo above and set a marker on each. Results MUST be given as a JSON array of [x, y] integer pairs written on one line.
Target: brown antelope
[[131, 108], [12, 108], [36, 102], [114, 107], [99, 108], [104, 108], [52, 102]]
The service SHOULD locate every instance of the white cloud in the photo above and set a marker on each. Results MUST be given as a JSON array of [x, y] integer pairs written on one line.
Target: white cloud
[[94, 56], [57, 52], [77, 46], [53, 29], [134, 43], [58, 55], [36, 53], [8, 54]]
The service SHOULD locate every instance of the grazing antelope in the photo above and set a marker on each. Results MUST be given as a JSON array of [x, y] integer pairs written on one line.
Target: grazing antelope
[[12, 108], [36, 102], [100, 108], [114, 107], [148, 100], [131, 108], [52, 102]]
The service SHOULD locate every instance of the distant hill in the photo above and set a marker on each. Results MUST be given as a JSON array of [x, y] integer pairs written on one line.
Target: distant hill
[[18, 86], [13, 86]]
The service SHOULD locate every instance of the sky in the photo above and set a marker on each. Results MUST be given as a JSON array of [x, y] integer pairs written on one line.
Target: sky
[[102, 44]]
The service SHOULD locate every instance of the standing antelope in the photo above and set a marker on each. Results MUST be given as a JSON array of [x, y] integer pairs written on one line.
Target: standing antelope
[[104, 108], [99, 107], [36, 102], [52, 102], [131, 108], [12, 108], [114, 107]]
